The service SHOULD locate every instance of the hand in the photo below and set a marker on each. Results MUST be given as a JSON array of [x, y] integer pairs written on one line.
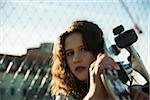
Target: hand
[[97, 90], [103, 62]]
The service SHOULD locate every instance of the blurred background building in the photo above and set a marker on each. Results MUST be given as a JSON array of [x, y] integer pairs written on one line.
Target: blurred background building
[[27, 76]]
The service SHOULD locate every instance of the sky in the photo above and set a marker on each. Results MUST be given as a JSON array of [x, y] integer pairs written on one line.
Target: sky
[[28, 23]]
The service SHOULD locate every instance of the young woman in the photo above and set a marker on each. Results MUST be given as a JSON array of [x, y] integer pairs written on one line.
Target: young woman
[[78, 62]]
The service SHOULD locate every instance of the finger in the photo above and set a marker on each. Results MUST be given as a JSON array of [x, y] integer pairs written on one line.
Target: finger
[[115, 66], [99, 66], [99, 55], [102, 62], [111, 63], [92, 66]]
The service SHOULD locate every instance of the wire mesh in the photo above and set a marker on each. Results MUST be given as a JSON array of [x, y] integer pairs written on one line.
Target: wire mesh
[[28, 23]]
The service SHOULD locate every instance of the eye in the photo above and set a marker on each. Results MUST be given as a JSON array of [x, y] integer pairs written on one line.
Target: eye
[[69, 53], [83, 49]]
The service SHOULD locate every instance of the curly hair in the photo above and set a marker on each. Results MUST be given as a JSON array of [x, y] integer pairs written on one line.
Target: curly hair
[[63, 81]]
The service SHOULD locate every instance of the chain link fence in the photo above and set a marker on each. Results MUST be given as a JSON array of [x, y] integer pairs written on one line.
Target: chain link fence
[[28, 23]]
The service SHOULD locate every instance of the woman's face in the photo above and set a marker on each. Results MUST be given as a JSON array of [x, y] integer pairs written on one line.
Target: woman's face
[[78, 58]]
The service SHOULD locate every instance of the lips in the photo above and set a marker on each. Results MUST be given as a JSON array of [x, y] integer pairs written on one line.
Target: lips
[[80, 68]]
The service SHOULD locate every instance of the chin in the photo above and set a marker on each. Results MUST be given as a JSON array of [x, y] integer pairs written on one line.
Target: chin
[[83, 78]]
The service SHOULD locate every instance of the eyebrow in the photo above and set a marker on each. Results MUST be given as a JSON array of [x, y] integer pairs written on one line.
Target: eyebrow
[[67, 50], [71, 49]]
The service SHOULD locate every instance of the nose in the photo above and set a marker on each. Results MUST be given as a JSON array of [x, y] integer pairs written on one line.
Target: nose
[[77, 58]]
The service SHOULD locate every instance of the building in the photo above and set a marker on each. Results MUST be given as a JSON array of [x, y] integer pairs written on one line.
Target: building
[[28, 76]]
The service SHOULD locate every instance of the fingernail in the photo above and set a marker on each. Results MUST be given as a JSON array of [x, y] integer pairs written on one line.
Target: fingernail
[[117, 68]]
